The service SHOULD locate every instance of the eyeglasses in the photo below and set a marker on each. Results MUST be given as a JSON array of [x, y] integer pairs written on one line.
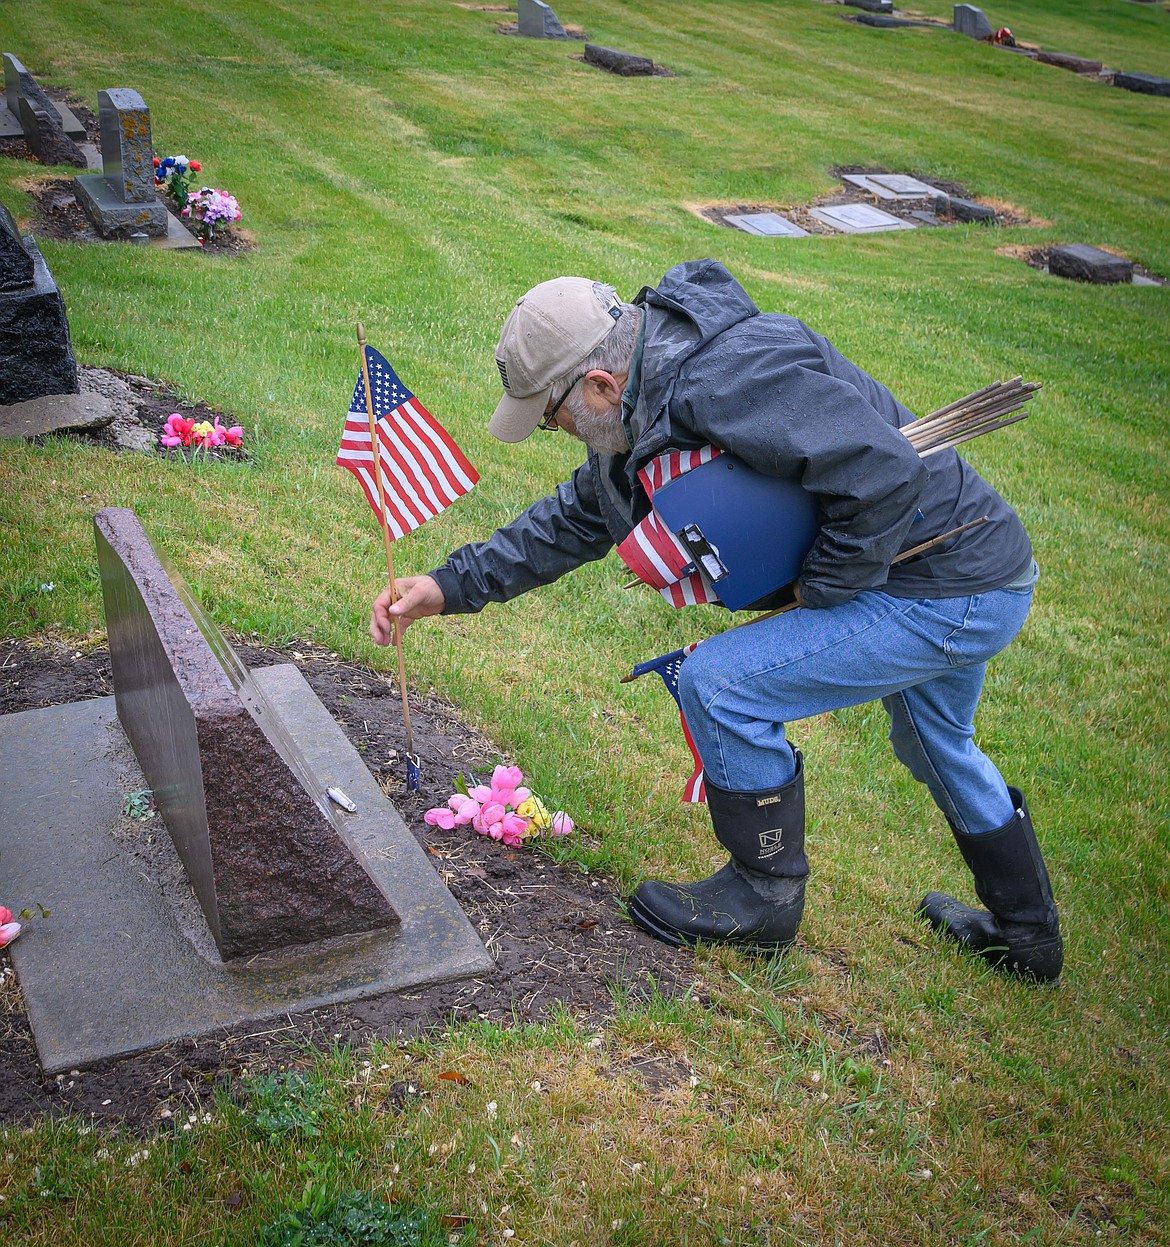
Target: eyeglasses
[[549, 421]]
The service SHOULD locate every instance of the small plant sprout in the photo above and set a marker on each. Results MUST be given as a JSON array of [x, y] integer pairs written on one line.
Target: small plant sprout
[[139, 804]]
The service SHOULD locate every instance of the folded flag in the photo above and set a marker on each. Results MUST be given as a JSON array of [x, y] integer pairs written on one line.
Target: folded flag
[[423, 471], [668, 667], [652, 552]]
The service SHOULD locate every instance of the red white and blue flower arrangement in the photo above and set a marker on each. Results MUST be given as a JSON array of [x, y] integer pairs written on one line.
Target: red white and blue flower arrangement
[[207, 208], [503, 810]]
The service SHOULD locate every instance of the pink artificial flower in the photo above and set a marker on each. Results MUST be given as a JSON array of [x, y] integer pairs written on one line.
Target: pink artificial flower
[[480, 793], [439, 817], [562, 824], [234, 436], [465, 809], [9, 927], [177, 431], [492, 813], [218, 434], [513, 829]]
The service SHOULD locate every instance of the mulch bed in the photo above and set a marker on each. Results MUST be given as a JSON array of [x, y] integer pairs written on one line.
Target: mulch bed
[[558, 935]]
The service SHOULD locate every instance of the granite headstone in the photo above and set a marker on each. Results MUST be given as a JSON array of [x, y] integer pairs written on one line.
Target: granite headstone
[[1145, 84], [40, 120], [262, 845], [626, 64], [1081, 262], [36, 355], [968, 20], [538, 21], [121, 200]]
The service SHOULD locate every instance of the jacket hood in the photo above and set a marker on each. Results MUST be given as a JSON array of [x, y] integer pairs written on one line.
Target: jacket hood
[[693, 303]]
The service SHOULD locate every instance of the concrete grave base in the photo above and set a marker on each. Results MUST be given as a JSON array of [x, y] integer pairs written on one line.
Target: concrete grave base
[[112, 216], [125, 961]]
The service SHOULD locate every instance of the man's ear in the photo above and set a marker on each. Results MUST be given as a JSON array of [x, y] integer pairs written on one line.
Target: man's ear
[[605, 385]]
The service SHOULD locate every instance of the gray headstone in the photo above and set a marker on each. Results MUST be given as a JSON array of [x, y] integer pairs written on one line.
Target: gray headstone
[[36, 356], [968, 20], [259, 837], [967, 210], [538, 21], [17, 82], [45, 138], [858, 219], [1084, 263], [768, 224], [624, 63], [122, 201], [1145, 84], [55, 413]]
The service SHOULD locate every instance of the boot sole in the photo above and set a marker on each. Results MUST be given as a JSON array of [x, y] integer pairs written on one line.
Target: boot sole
[[684, 939]]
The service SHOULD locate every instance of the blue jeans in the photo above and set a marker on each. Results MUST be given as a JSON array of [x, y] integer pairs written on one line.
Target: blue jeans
[[924, 658]]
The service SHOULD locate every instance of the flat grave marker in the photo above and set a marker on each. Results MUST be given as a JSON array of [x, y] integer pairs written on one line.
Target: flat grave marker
[[858, 219], [768, 224]]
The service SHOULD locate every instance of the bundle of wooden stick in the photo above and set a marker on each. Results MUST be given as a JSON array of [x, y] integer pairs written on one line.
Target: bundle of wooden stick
[[986, 410]]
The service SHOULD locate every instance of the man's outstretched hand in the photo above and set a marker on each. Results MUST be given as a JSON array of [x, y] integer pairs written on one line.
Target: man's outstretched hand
[[419, 596]]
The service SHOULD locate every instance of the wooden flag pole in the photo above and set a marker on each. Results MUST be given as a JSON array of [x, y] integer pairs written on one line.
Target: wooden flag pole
[[394, 594]]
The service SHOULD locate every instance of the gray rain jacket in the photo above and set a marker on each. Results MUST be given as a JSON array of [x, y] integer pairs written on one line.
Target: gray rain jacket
[[712, 369]]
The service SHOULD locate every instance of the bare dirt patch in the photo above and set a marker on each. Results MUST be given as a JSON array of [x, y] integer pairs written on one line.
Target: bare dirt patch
[[558, 936]]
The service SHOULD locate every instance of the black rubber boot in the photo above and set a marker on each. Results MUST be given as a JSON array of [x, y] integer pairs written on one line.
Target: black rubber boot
[[757, 899], [1019, 931]]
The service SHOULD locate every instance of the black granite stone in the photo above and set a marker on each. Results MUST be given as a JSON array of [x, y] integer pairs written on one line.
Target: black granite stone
[[881, 22], [16, 266], [1144, 84], [872, 6], [36, 355], [1062, 60], [966, 210], [250, 819], [1081, 262], [624, 63]]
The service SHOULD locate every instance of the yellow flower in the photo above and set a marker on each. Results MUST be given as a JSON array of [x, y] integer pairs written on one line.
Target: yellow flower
[[538, 816]]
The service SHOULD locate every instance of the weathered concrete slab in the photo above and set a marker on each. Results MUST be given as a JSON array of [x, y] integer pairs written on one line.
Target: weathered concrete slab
[[858, 219], [626, 64], [124, 962], [969, 20], [768, 224], [1081, 262], [54, 413], [263, 845], [1145, 84], [536, 20], [36, 355], [891, 185]]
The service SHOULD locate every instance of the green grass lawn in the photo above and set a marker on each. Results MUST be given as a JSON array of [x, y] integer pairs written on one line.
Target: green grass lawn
[[403, 164]]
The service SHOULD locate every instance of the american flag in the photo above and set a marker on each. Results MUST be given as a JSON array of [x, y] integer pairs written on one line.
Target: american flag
[[423, 471], [652, 552], [668, 667]]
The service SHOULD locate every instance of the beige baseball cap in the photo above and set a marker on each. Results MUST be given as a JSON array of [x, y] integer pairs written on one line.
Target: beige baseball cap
[[548, 333]]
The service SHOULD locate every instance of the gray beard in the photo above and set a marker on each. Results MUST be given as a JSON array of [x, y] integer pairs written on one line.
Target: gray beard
[[606, 434]]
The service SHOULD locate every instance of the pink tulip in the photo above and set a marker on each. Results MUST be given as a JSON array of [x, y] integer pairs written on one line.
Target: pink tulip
[[562, 824], [9, 928], [480, 793], [439, 817], [514, 828]]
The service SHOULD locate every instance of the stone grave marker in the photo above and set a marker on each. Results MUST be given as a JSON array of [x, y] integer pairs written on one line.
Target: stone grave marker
[[36, 355], [872, 6], [768, 224], [347, 901], [970, 21], [626, 64], [40, 121], [858, 219], [538, 21], [14, 75], [967, 210], [121, 201], [891, 185], [1076, 64], [253, 825], [1145, 84], [1081, 262]]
